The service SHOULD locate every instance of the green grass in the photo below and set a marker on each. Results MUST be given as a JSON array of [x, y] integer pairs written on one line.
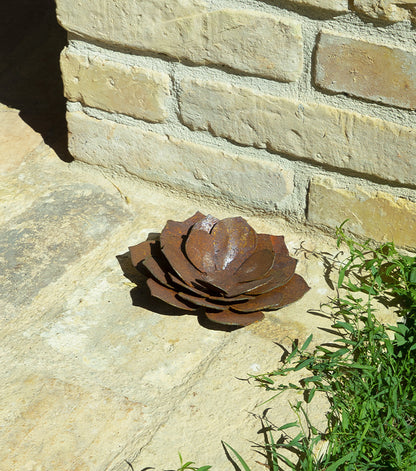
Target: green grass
[[368, 373], [189, 465]]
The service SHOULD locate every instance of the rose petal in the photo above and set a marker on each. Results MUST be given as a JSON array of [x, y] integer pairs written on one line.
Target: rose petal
[[179, 284], [205, 292], [156, 271], [249, 286], [199, 301], [224, 282], [140, 251], [279, 245], [293, 290], [171, 241], [200, 245], [264, 241], [256, 266], [296, 288], [239, 239], [227, 317], [167, 295], [281, 272], [214, 245], [211, 287], [231, 300], [231, 284]]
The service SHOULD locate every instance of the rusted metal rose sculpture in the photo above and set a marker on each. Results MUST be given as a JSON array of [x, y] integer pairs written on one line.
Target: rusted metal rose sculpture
[[222, 266]]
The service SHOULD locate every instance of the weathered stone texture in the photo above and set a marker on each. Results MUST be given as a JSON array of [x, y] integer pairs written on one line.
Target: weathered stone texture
[[311, 131], [373, 214], [248, 41], [178, 163], [388, 10], [192, 426], [57, 229], [16, 139], [373, 71], [331, 5], [116, 87], [61, 425]]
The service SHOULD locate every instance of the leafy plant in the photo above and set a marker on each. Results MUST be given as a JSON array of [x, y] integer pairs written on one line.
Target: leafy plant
[[382, 272], [368, 373], [237, 455]]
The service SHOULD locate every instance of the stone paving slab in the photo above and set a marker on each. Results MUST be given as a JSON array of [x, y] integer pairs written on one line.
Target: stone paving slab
[[58, 228], [64, 425], [17, 139], [94, 374]]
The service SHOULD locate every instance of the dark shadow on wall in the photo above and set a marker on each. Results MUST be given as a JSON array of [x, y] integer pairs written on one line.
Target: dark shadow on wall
[[30, 79]]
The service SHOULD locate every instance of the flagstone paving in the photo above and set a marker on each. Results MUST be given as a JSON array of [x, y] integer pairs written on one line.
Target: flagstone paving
[[94, 374]]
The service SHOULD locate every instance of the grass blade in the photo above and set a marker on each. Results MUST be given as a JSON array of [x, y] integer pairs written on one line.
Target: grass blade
[[240, 459]]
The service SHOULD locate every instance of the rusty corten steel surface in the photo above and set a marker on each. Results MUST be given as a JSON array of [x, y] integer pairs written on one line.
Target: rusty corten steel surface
[[221, 266]]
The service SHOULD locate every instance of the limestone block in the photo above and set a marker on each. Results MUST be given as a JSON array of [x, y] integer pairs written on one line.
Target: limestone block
[[364, 69], [331, 5], [373, 214], [248, 41], [254, 42], [116, 87], [388, 10], [178, 163], [312, 131]]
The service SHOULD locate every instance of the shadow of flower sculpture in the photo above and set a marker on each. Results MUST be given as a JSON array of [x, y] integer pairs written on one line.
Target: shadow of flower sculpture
[[223, 266]]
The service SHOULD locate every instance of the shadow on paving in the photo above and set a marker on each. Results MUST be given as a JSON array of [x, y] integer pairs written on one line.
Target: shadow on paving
[[141, 297], [30, 79]]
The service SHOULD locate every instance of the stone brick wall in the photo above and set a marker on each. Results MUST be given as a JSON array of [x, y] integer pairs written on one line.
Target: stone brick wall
[[302, 108]]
